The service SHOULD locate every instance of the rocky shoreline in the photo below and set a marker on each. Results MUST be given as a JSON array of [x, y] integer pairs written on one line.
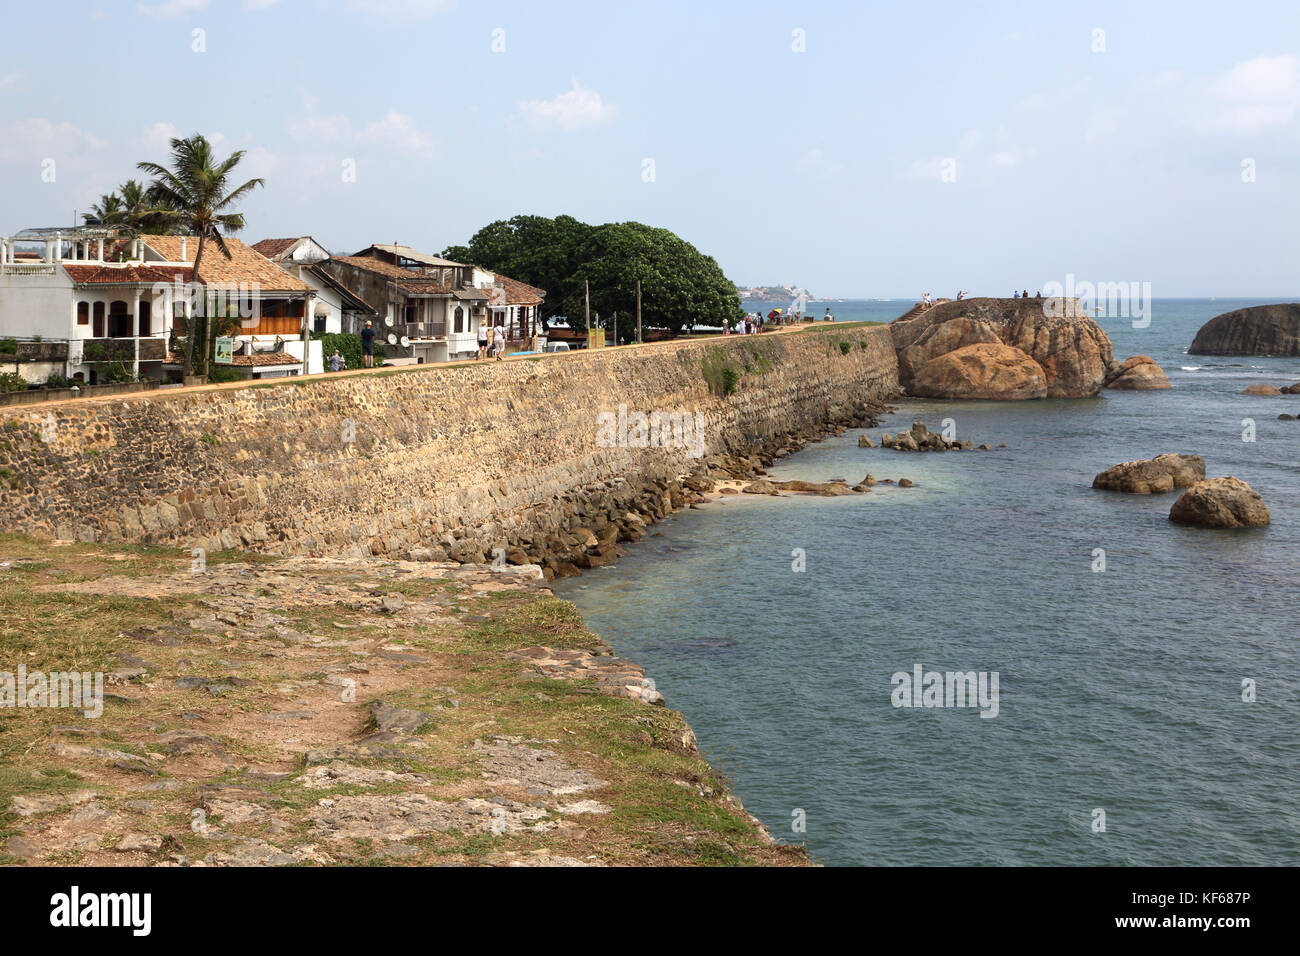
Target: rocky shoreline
[[591, 522]]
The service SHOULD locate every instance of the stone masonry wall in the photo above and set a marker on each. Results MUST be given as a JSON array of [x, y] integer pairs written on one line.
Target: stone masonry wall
[[455, 461]]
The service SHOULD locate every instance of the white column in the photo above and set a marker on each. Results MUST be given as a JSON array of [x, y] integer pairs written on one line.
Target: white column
[[101, 250], [307, 309], [135, 338]]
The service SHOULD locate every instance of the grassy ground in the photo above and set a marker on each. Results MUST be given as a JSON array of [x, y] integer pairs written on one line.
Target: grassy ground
[[239, 724]]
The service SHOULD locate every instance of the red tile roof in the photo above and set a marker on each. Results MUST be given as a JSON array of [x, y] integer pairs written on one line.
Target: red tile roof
[[265, 358], [407, 280], [109, 274], [518, 293], [273, 247], [244, 265]]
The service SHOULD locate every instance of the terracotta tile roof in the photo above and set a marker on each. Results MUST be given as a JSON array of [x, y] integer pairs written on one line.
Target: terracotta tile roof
[[244, 265], [266, 358], [107, 274], [518, 293], [408, 281], [273, 247]]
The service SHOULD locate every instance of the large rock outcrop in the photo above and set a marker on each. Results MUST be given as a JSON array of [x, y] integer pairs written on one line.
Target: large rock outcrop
[[1151, 476], [1072, 351], [1220, 503], [985, 371], [1137, 372], [1257, 330]]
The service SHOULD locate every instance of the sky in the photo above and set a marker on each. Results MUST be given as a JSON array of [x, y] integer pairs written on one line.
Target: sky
[[858, 149]]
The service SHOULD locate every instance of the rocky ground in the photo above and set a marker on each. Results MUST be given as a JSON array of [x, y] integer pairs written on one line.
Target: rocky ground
[[294, 711]]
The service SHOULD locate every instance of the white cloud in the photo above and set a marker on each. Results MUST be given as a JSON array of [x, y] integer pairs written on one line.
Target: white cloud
[[815, 163], [572, 110], [400, 132], [12, 80], [34, 139], [1254, 96], [1005, 158], [1102, 124], [157, 139], [926, 169], [402, 9], [170, 9]]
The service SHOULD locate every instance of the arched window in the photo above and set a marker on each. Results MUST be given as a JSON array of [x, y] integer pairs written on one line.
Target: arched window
[[83, 313], [98, 330], [460, 319]]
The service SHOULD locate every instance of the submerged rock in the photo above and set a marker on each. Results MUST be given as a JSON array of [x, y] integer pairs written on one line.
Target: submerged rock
[[1269, 390], [1150, 476], [1220, 503], [1139, 373]]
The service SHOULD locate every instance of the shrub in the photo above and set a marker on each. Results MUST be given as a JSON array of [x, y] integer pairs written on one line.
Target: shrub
[[349, 347], [8, 346], [56, 380], [12, 382], [844, 347]]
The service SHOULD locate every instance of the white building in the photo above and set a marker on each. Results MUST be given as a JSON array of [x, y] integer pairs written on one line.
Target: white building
[[112, 303]]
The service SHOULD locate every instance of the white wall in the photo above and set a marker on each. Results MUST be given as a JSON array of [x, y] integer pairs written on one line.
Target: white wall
[[36, 305]]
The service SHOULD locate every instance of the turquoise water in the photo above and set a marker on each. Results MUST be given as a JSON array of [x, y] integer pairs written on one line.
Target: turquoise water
[[1118, 690]]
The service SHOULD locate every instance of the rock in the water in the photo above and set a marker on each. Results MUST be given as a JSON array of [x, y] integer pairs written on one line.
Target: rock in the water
[[986, 371], [1152, 476], [1257, 330], [1073, 352], [864, 441], [1220, 503], [761, 487], [1138, 372], [1261, 390], [905, 483]]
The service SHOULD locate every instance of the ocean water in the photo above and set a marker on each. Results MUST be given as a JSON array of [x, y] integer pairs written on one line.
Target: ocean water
[[1119, 691]]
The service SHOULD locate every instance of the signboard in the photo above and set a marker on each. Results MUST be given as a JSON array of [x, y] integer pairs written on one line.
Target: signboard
[[595, 338], [225, 350]]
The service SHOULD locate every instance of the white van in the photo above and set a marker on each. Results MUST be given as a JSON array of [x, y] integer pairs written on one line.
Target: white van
[[557, 346]]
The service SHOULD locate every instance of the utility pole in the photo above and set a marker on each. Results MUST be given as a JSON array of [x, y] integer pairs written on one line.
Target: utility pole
[[586, 310], [616, 326], [638, 311]]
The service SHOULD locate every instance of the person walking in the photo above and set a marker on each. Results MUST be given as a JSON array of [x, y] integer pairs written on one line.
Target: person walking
[[482, 340], [368, 345], [336, 361], [499, 341]]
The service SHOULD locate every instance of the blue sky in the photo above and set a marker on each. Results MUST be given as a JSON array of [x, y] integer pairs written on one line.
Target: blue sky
[[909, 147]]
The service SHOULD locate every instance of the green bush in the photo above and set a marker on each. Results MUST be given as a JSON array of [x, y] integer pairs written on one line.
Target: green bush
[[349, 347], [12, 382], [56, 380], [720, 371], [220, 374], [844, 347], [8, 346]]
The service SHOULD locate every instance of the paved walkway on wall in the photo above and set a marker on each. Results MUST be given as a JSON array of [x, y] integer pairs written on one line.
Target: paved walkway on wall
[[399, 369]]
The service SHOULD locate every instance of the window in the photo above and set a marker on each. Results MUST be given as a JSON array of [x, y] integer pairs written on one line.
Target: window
[[460, 319], [98, 330], [145, 317], [83, 313]]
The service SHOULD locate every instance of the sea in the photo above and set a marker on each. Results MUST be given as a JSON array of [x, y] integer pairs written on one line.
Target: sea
[[1147, 683]]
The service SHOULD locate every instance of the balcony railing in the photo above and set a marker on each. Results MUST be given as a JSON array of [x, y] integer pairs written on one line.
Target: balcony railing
[[425, 330], [27, 269]]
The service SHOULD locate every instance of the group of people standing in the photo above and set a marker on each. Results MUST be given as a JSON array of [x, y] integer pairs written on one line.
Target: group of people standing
[[1025, 294]]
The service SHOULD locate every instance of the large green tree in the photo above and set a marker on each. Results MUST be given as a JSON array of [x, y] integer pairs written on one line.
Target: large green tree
[[194, 198], [680, 286]]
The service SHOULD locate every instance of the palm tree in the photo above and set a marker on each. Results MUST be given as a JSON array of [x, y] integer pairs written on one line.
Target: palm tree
[[191, 197], [106, 212]]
